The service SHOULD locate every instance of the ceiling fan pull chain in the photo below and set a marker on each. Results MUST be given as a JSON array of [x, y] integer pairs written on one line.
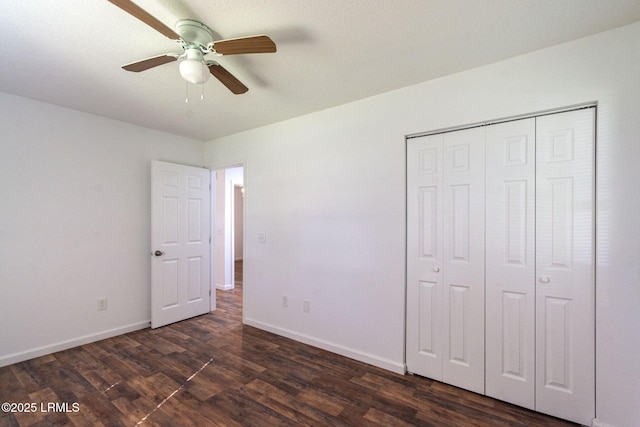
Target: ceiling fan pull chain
[[186, 98], [202, 93]]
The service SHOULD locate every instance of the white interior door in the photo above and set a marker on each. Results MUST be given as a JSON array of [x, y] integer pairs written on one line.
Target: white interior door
[[445, 258], [180, 242], [463, 258], [510, 262], [565, 294], [424, 256]]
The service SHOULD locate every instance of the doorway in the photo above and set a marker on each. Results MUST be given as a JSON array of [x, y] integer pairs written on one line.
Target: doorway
[[228, 229]]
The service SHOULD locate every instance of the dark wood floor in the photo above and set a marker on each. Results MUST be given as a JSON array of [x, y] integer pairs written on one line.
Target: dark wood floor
[[213, 371]]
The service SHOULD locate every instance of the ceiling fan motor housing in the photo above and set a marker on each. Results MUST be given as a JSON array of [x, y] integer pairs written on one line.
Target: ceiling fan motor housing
[[195, 34]]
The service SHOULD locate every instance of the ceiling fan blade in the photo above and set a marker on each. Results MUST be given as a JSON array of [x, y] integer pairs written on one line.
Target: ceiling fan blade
[[137, 12], [251, 44], [145, 64], [227, 79]]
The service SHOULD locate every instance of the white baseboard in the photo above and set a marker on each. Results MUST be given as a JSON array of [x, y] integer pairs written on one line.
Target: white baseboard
[[596, 423], [225, 287], [75, 342], [389, 365]]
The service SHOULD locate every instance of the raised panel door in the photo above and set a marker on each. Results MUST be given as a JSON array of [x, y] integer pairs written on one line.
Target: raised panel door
[[565, 294], [510, 262], [445, 258], [180, 228], [463, 258], [424, 256]]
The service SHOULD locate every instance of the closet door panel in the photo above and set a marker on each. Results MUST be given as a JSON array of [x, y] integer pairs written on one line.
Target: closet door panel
[[463, 256], [565, 338], [424, 256], [510, 262]]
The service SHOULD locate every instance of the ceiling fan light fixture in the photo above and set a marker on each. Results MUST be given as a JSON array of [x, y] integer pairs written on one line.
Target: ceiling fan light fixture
[[193, 68], [196, 41]]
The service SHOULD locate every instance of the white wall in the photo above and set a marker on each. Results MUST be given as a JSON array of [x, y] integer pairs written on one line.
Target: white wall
[[220, 269], [74, 225], [328, 189], [238, 222], [236, 177]]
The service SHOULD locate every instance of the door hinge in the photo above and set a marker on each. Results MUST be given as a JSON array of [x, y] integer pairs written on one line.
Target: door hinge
[[209, 239]]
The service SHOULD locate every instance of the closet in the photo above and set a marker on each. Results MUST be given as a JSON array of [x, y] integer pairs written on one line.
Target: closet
[[500, 261]]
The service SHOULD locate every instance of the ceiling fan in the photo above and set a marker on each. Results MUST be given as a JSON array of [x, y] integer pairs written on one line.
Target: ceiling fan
[[197, 41]]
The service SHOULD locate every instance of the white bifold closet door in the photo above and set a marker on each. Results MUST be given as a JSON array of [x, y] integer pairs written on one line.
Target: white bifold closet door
[[565, 285], [445, 265], [540, 264], [511, 266]]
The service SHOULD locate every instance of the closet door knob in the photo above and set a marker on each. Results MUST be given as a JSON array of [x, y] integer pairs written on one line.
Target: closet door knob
[[545, 279], [436, 269]]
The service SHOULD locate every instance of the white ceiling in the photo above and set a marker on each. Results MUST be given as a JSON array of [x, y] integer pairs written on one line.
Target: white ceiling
[[69, 52]]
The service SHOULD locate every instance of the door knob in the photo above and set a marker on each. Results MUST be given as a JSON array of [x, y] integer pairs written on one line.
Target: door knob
[[545, 279], [436, 269], [158, 253]]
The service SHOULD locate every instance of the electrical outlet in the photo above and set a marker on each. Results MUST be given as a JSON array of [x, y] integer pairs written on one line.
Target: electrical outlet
[[262, 237], [306, 306], [285, 301], [102, 303]]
